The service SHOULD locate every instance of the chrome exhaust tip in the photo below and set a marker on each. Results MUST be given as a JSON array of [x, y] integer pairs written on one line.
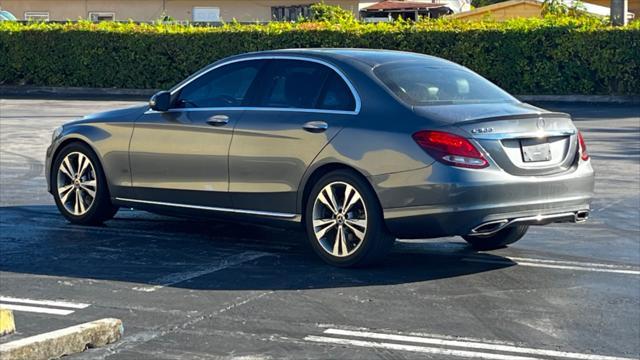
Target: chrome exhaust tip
[[489, 228], [492, 227], [581, 216]]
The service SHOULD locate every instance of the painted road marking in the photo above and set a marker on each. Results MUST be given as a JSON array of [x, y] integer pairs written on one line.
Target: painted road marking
[[470, 348], [561, 265], [44, 302], [176, 278], [476, 344], [36, 309], [531, 262], [414, 348], [47, 306], [579, 263]]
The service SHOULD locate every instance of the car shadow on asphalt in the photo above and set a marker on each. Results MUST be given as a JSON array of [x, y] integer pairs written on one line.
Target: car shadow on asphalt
[[147, 249]]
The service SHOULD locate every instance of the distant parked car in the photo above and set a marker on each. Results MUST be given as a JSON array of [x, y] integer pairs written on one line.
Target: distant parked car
[[6, 16], [360, 146]]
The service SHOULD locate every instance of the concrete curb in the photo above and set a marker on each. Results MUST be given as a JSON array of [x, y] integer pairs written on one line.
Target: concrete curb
[[144, 94], [7, 324], [55, 344]]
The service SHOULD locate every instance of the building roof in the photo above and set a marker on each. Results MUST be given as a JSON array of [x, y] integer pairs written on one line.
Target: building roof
[[401, 5], [590, 8]]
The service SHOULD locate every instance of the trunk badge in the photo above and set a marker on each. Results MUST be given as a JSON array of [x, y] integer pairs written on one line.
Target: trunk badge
[[482, 130], [541, 123]]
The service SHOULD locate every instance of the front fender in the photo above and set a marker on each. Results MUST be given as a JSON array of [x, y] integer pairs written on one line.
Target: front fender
[[109, 141]]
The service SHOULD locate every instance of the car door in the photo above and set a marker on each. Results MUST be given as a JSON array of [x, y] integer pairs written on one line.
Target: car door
[[301, 106], [181, 156]]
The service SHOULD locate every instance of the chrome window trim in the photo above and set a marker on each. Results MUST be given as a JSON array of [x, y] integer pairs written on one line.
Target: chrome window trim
[[524, 135], [354, 93], [212, 208], [250, 108]]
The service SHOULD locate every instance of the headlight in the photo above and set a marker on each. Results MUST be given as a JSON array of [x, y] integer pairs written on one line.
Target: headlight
[[56, 133]]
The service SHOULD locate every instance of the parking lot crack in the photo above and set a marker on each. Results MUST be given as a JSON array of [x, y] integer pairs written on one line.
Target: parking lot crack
[[137, 339]]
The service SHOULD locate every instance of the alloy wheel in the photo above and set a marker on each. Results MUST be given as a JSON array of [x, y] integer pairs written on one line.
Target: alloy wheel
[[77, 183], [339, 219]]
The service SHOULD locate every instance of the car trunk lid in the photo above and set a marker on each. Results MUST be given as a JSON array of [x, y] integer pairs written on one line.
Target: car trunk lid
[[520, 138]]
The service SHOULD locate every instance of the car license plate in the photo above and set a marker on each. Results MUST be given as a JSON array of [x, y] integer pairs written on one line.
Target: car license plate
[[534, 150]]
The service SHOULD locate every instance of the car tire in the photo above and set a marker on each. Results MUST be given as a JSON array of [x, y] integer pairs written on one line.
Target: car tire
[[80, 187], [345, 226], [498, 240]]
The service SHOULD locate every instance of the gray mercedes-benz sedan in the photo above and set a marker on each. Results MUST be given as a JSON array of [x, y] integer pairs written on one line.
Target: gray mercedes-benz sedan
[[358, 146]]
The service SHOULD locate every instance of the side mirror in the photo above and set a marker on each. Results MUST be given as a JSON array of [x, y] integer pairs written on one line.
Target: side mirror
[[160, 101]]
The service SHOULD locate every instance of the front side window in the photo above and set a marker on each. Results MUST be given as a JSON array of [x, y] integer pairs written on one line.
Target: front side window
[[417, 84], [226, 86]]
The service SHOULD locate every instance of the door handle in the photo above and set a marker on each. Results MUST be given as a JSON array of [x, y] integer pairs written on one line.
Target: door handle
[[315, 126], [218, 120]]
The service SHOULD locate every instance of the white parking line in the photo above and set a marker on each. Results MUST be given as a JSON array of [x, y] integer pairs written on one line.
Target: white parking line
[[36, 309], [496, 349], [472, 345], [17, 304], [176, 278], [45, 302], [562, 265], [579, 263], [533, 262], [414, 348]]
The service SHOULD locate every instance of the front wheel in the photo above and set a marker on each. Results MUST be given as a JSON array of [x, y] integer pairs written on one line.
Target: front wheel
[[344, 221], [498, 240], [80, 188]]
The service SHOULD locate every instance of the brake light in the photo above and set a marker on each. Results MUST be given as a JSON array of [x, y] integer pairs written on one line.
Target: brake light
[[450, 149], [584, 155]]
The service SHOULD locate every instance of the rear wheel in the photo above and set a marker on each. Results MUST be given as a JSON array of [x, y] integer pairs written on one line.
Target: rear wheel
[[80, 187], [344, 221], [498, 240]]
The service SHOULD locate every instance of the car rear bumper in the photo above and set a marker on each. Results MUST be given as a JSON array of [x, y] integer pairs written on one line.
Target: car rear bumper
[[441, 200]]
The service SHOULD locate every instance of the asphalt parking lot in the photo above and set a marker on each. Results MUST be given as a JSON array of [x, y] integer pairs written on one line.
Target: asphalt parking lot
[[207, 290]]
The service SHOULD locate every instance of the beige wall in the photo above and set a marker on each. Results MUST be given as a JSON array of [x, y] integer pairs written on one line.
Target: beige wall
[[57, 9], [526, 9], [244, 10], [522, 10], [149, 10]]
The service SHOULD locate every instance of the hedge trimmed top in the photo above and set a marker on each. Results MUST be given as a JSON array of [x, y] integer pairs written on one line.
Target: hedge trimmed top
[[554, 55]]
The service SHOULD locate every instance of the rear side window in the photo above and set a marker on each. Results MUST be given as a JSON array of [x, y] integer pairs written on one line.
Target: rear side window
[[226, 86], [336, 95], [293, 84], [304, 85], [418, 83]]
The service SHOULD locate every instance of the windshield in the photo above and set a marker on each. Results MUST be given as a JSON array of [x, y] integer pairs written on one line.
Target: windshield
[[419, 84]]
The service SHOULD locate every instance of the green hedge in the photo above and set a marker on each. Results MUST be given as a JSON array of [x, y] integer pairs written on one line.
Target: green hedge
[[532, 56]]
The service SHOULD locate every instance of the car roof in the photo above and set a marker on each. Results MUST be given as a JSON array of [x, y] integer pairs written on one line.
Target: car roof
[[366, 57], [370, 57]]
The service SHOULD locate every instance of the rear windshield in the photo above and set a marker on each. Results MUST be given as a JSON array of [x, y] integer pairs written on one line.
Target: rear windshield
[[421, 84]]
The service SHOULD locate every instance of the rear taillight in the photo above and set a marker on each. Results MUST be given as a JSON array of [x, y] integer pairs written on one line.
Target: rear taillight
[[584, 155], [450, 149]]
